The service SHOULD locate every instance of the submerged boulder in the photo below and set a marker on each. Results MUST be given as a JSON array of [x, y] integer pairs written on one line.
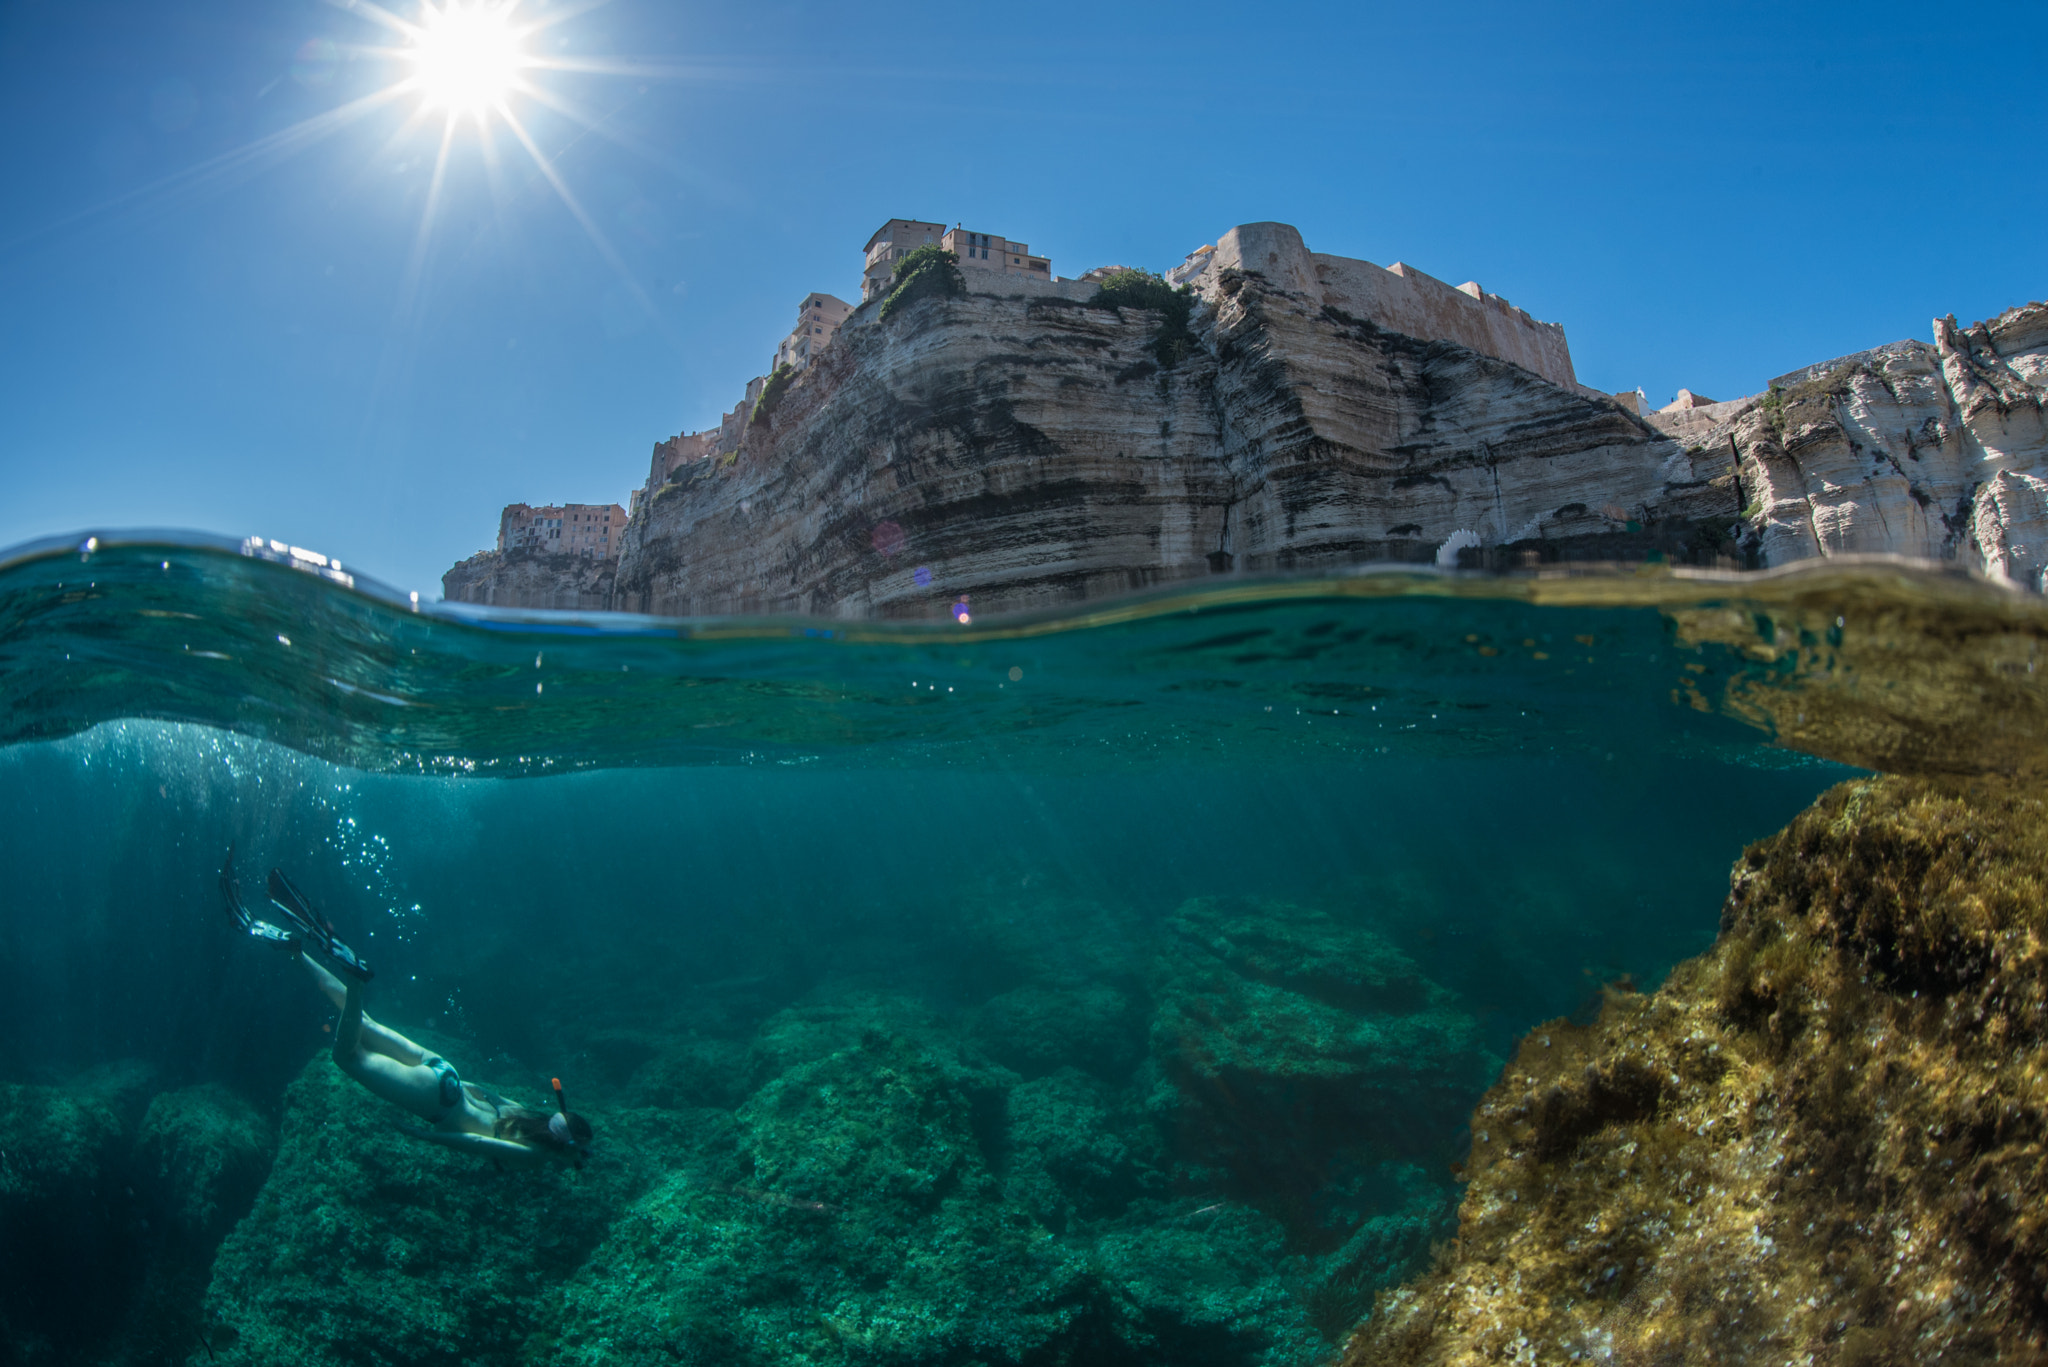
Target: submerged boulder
[[200, 1157], [67, 1215], [1296, 1050], [885, 1198], [854, 1218], [368, 1245], [1822, 1141], [1037, 1029]]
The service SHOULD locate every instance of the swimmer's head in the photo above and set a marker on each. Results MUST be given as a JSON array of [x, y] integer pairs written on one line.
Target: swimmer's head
[[568, 1128]]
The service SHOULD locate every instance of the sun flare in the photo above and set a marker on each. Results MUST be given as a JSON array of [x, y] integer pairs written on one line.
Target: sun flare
[[466, 57]]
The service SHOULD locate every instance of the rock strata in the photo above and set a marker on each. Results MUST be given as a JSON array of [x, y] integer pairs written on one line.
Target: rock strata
[[531, 579], [1034, 450], [1030, 451], [1819, 1142], [1936, 451]]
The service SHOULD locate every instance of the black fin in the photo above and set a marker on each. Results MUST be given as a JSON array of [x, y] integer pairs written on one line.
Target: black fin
[[309, 923], [231, 891], [294, 904]]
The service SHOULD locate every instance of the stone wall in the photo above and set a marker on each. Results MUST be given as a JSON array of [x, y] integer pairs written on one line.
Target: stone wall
[[1398, 298]]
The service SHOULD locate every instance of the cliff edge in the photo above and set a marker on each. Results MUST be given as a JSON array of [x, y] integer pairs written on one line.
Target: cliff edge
[[1029, 450]]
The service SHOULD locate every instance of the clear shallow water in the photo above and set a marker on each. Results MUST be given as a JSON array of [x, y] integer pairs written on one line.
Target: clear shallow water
[[1205, 918]]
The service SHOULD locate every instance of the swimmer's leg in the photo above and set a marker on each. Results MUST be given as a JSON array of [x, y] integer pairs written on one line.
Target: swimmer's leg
[[360, 1050], [366, 1034]]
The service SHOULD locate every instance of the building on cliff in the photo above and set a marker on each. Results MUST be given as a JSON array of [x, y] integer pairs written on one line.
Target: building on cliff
[[590, 530], [990, 252], [817, 322], [899, 237]]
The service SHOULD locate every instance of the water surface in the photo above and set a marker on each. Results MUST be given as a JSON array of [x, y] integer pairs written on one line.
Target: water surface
[[1165, 945]]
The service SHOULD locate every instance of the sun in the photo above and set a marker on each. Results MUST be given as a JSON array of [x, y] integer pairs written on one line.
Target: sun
[[466, 57]]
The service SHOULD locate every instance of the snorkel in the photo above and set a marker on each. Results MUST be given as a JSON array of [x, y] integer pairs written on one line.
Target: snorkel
[[570, 1131], [558, 1123]]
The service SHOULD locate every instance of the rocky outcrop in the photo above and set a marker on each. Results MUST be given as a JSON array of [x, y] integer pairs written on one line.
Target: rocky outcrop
[[1033, 450], [1820, 1142], [531, 579], [1934, 451], [1020, 452], [112, 1202]]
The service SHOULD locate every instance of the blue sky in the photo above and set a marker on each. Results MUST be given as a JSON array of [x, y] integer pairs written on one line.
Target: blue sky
[[210, 320]]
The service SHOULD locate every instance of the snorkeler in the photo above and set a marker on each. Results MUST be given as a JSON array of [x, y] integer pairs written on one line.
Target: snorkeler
[[462, 1115]]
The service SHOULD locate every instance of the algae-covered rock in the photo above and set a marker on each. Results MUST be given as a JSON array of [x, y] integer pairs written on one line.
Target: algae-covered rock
[[854, 1218], [1300, 1046], [1075, 1155], [885, 1196], [1821, 1142], [200, 1156], [369, 1246], [58, 1146], [1038, 1028], [66, 1214]]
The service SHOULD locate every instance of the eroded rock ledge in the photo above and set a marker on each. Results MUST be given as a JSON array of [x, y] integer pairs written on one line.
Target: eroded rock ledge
[[1823, 1141], [1032, 452]]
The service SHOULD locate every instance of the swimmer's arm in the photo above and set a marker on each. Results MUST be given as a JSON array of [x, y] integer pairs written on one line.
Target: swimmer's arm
[[488, 1146]]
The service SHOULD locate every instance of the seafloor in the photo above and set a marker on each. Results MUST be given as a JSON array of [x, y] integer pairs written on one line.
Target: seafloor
[[1823, 1141]]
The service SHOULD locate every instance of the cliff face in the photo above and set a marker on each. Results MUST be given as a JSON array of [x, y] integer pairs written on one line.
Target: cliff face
[[1933, 451], [528, 579], [1025, 452]]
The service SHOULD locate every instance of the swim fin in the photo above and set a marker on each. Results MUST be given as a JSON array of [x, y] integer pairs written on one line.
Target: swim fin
[[231, 901], [312, 929]]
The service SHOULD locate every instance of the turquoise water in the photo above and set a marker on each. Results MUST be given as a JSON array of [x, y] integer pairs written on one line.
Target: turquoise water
[[1108, 988]]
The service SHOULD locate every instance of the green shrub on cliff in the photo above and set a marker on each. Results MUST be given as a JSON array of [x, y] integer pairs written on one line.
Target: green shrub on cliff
[[771, 394], [928, 272], [1127, 288]]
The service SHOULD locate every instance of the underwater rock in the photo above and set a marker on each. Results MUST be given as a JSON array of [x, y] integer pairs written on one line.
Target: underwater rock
[[64, 1210], [888, 1201], [693, 1071], [1036, 1029], [1203, 1289], [1073, 1156], [853, 1219], [1296, 1044], [1821, 1141], [200, 1157], [367, 1245]]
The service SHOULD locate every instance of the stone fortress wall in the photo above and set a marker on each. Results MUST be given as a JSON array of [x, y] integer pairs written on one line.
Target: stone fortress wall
[[1398, 298]]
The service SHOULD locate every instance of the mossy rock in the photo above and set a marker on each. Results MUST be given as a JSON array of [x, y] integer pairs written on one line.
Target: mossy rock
[[1037, 1029], [1822, 1141], [1074, 1156], [854, 1219], [369, 1246], [201, 1154], [1300, 1045]]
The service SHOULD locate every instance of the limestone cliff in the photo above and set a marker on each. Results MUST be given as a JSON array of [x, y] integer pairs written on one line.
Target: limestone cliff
[[1032, 451], [1935, 451], [531, 579]]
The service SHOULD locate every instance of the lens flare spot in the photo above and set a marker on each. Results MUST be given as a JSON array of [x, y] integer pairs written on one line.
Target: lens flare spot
[[887, 538]]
